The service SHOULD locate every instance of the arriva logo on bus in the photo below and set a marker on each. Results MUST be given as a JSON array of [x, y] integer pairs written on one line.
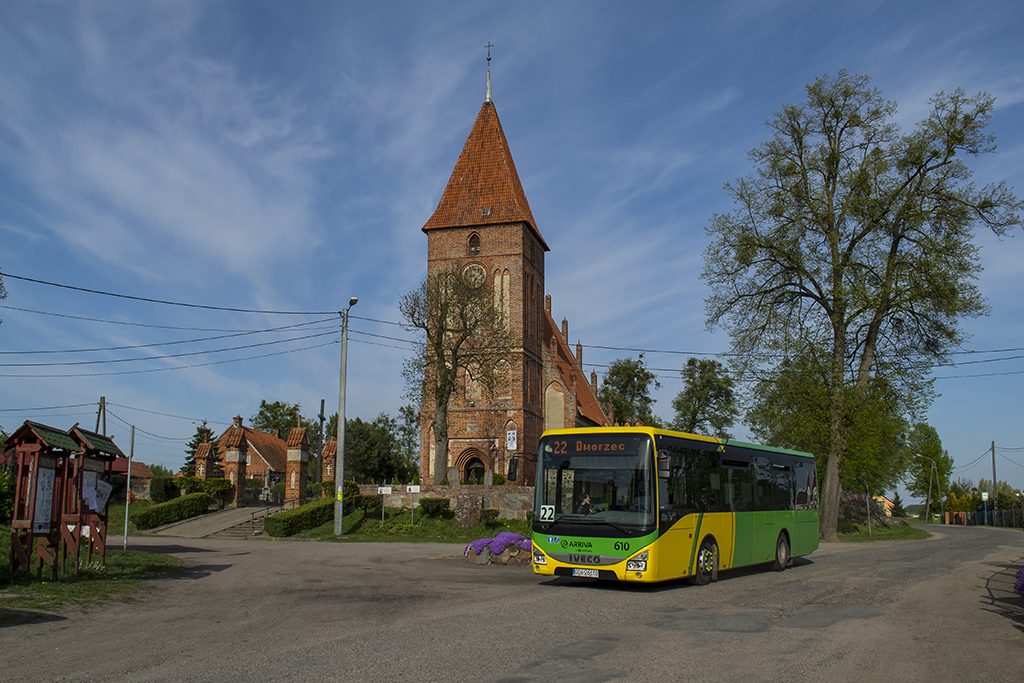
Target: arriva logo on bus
[[576, 544]]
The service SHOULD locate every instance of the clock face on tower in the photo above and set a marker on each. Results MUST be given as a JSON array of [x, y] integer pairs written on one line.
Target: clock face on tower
[[474, 275]]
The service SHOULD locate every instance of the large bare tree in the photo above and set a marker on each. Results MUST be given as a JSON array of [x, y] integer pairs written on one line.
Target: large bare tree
[[463, 334], [854, 237]]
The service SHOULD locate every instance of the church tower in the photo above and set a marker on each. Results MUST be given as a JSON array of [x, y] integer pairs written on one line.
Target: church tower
[[483, 225]]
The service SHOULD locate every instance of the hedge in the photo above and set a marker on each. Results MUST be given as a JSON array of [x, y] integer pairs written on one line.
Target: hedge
[[292, 522], [162, 489], [164, 513]]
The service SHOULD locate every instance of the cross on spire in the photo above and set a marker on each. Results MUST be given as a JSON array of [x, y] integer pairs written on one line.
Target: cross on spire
[[488, 97]]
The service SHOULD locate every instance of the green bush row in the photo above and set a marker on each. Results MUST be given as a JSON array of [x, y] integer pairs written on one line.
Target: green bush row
[[301, 518], [172, 511]]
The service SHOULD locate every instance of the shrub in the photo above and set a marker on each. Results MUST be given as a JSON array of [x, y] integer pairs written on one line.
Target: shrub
[[190, 484], [434, 507], [292, 522], [162, 489], [6, 496], [499, 479], [369, 502], [489, 516], [172, 511]]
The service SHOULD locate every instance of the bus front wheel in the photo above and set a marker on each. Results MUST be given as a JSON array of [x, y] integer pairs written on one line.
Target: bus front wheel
[[781, 553], [706, 569]]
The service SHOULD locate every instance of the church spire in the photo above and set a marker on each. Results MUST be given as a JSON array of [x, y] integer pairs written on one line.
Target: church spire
[[487, 99]]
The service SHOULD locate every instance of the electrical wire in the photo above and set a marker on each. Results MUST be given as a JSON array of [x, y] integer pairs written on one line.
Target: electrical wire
[[121, 322], [177, 367], [193, 420], [172, 355], [161, 301], [170, 343], [38, 410]]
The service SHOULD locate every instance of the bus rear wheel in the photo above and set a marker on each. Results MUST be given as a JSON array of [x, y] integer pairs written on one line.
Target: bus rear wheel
[[706, 568], [781, 553]]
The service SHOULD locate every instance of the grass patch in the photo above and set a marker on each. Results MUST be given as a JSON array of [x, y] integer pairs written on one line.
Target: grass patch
[[118, 579], [897, 532], [397, 526]]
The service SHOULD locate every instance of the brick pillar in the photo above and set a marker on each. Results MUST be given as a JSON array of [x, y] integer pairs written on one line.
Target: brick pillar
[[204, 461], [234, 466], [330, 456], [297, 468]]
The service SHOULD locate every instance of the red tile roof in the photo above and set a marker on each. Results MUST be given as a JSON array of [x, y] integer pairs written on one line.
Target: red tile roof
[[267, 446], [296, 438], [484, 188], [330, 449], [587, 404]]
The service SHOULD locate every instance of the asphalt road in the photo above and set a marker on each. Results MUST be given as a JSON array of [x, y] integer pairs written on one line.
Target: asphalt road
[[942, 609]]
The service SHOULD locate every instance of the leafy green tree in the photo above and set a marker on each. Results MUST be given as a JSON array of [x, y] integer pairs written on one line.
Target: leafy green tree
[[373, 452], [281, 417], [627, 386], [1005, 496], [707, 404], [203, 435], [790, 410], [463, 333], [159, 471], [924, 447], [409, 436], [856, 238]]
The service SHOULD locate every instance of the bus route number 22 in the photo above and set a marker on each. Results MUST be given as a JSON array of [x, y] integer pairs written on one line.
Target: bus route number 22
[[547, 513]]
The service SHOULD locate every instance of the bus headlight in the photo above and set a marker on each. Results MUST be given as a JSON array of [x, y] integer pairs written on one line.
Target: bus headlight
[[638, 563], [539, 557]]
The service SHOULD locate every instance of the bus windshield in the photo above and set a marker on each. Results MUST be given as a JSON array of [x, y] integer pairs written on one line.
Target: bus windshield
[[596, 479]]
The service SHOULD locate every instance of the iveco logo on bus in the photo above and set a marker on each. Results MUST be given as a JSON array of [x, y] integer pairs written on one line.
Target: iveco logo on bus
[[587, 545], [584, 559]]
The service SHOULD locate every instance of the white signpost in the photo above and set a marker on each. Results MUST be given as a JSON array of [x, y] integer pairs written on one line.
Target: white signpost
[[383, 491]]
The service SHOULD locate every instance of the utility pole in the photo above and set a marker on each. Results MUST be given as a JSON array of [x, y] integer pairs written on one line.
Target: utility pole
[[128, 489], [320, 455], [339, 475], [995, 501], [102, 411]]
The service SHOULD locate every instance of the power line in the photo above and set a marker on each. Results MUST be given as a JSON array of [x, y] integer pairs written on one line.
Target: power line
[[171, 343], [160, 301], [973, 462], [154, 412], [39, 410], [139, 429], [173, 355], [178, 367], [119, 322]]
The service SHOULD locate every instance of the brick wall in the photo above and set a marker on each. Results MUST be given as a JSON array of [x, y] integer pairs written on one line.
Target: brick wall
[[512, 502]]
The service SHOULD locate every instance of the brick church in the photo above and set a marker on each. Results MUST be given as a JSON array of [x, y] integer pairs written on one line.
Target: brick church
[[484, 223]]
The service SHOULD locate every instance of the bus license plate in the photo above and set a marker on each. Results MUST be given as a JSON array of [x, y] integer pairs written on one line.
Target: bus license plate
[[588, 573]]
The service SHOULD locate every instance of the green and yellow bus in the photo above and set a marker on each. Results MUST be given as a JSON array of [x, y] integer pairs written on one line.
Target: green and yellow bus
[[643, 504]]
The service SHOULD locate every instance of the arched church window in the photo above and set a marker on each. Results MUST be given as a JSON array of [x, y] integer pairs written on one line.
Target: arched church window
[[474, 244]]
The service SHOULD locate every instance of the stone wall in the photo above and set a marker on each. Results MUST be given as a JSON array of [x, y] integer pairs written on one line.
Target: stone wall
[[512, 502]]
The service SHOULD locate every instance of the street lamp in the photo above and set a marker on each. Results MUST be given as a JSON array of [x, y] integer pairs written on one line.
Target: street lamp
[[339, 474]]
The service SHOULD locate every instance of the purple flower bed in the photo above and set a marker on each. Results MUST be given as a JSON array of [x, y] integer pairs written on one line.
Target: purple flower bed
[[1020, 580], [498, 544]]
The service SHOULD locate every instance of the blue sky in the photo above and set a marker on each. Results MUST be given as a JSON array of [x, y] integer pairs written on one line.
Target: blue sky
[[284, 156]]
